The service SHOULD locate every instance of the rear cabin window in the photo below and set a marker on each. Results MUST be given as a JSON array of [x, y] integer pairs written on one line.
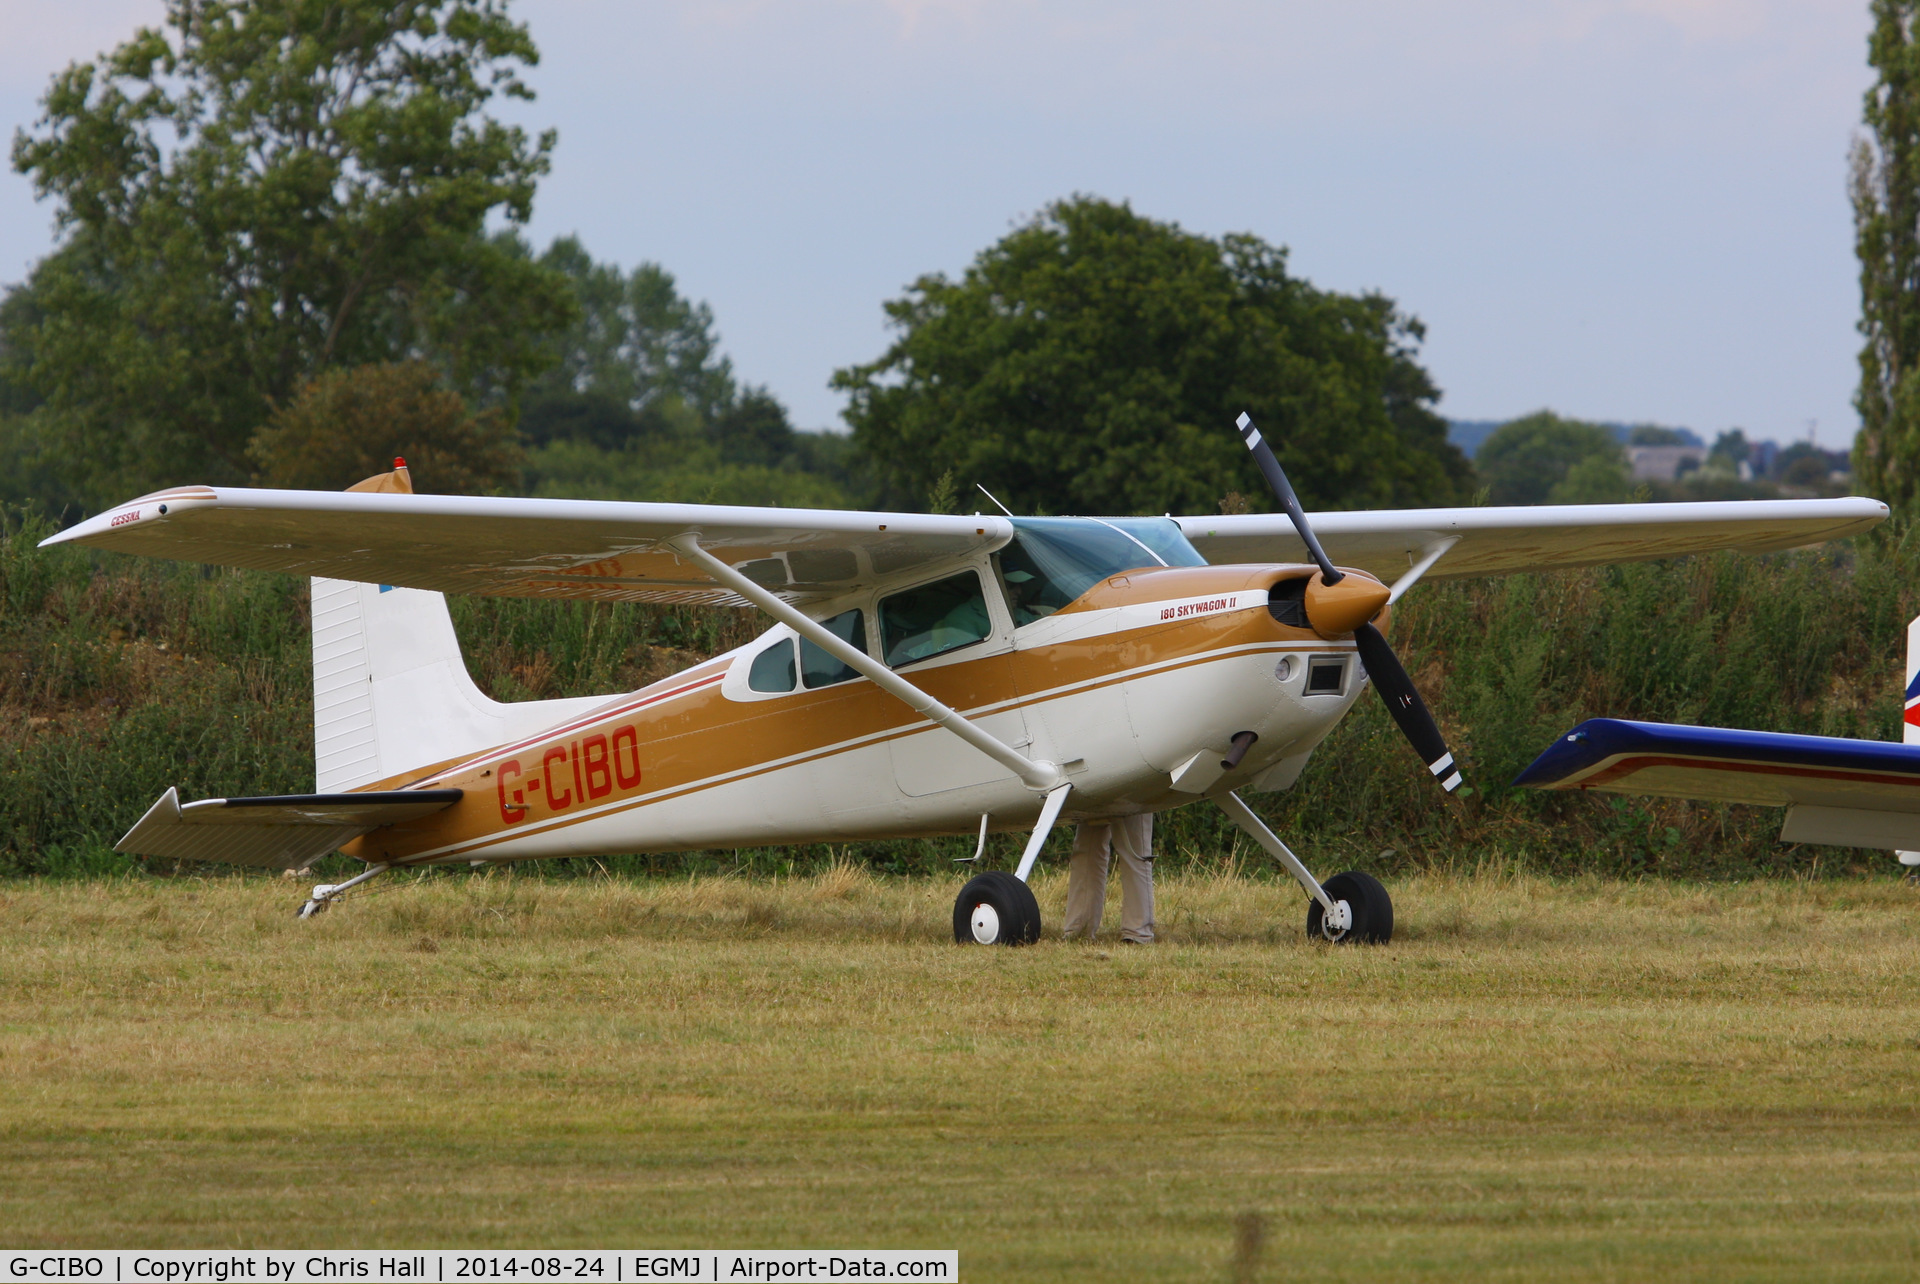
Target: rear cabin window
[[817, 668], [934, 619], [773, 668], [1053, 560]]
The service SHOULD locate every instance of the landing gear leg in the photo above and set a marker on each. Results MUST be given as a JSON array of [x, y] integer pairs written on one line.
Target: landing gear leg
[[325, 894], [1348, 908], [998, 908]]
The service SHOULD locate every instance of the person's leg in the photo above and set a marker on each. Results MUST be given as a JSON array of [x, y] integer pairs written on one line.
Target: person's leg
[[1087, 880], [1133, 845]]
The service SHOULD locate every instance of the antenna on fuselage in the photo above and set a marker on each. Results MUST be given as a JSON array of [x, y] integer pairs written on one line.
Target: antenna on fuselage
[[996, 503]]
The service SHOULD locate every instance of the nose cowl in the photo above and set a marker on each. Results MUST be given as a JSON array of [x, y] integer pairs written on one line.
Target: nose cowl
[[1335, 610]]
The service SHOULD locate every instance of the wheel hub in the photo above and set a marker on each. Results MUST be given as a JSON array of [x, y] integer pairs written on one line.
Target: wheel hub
[[1338, 921], [986, 924]]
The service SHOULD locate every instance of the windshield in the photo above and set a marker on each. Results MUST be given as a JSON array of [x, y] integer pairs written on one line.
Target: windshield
[[1053, 560], [1162, 535]]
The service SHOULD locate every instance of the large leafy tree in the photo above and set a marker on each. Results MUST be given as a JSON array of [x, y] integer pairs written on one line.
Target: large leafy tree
[[1886, 216], [1094, 361], [258, 191], [1542, 458]]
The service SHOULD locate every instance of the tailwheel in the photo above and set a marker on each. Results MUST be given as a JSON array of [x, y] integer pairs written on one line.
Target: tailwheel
[[996, 909], [320, 902], [1363, 912]]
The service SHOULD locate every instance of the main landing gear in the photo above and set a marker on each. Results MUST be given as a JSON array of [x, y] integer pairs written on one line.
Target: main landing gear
[[1348, 909], [998, 908], [1362, 911]]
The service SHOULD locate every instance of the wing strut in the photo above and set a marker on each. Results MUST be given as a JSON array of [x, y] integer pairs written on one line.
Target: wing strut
[[1428, 556], [1042, 777]]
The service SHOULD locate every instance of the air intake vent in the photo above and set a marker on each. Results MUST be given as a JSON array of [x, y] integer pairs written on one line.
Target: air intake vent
[[1287, 602]]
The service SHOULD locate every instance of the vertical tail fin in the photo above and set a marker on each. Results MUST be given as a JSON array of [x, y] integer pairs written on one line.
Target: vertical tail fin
[[1910, 720], [391, 691]]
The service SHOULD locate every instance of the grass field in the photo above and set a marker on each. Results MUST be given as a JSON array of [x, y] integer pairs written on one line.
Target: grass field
[[1583, 1079]]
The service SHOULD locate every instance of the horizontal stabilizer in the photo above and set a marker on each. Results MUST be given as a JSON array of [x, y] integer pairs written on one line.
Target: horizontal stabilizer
[[288, 831], [1767, 768]]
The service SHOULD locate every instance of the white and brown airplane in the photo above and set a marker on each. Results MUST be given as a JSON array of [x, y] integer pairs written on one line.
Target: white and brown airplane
[[925, 675]]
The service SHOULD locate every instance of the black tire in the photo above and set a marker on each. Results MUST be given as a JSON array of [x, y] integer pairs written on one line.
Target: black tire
[[1013, 905], [1372, 910]]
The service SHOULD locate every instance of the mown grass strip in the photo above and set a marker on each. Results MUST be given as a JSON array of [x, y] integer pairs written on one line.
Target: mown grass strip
[[1589, 1077]]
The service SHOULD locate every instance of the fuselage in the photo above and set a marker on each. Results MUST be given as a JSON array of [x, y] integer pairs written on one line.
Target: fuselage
[[1120, 687]]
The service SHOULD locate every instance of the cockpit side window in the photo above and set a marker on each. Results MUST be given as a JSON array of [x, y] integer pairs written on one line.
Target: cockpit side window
[[934, 619], [1030, 594], [772, 669]]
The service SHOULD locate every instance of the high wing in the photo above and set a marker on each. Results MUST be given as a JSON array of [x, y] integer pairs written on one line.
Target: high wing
[[621, 551], [1852, 793], [1500, 541], [533, 547]]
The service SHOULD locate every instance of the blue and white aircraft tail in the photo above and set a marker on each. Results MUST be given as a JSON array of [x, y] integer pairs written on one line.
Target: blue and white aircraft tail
[[1843, 793]]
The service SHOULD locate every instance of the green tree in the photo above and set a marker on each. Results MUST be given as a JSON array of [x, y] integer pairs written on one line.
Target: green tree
[[260, 190], [635, 344], [1597, 479], [640, 403], [1886, 219], [1095, 361], [1730, 450], [347, 425], [1543, 458]]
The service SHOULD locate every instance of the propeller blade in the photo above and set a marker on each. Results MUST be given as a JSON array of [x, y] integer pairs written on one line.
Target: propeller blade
[[1406, 706], [1389, 677], [1270, 469]]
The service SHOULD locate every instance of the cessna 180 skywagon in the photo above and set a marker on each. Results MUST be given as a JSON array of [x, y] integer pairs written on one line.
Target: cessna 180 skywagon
[[925, 675]]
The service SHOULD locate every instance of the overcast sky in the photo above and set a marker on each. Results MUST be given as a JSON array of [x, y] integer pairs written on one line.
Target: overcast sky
[[1621, 209]]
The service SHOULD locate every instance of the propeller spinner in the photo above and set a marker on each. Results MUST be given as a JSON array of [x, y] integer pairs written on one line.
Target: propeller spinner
[[1336, 604]]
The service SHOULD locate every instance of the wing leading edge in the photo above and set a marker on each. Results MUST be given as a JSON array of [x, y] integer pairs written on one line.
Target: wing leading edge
[[1851, 793]]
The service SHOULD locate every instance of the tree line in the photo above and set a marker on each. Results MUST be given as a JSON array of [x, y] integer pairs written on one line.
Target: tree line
[[291, 245]]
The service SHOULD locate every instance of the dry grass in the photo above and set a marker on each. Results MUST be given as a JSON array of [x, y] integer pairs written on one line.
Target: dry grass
[[1587, 1080]]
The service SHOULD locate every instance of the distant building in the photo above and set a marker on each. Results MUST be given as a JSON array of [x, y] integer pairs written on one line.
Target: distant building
[[1664, 463]]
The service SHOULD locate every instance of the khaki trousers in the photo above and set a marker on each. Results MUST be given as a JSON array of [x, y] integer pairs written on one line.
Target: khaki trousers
[[1131, 839]]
